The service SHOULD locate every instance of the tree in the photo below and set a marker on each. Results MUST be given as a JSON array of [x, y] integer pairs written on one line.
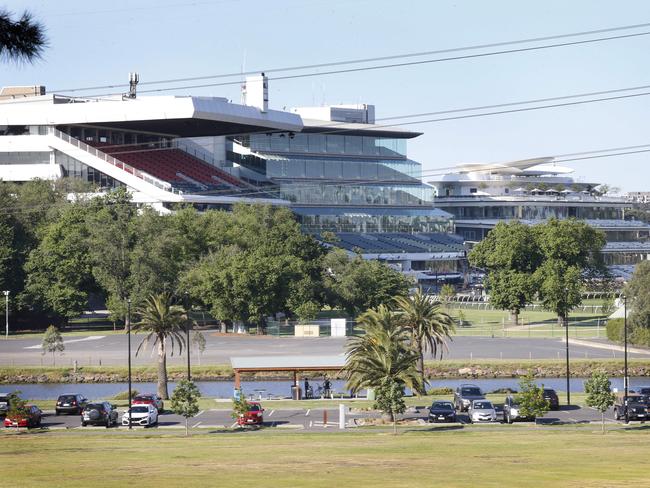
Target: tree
[[16, 407], [510, 255], [355, 284], [599, 394], [390, 399], [162, 320], [638, 293], [22, 39], [198, 341], [52, 342], [382, 356], [428, 325], [239, 406], [447, 293], [531, 398], [185, 401]]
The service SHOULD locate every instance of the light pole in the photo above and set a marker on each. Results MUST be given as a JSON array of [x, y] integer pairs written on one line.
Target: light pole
[[568, 373], [128, 335], [186, 297], [625, 385], [6, 292]]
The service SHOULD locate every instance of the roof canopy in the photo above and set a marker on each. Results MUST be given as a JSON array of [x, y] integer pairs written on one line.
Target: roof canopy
[[287, 363]]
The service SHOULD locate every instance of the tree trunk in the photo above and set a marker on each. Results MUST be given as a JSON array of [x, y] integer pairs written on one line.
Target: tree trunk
[[602, 415], [53, 359], [514, 316], [421, 367], [162, 370], [187, 426]]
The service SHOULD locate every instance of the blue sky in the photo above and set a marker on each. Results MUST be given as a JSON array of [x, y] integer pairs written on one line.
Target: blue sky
[[97, 43]]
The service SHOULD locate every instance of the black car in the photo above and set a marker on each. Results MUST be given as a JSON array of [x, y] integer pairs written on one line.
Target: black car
[[551, 397], [442, 411], [99, 413], [73, 403], [636, 405], [464, 396], [4, 404]]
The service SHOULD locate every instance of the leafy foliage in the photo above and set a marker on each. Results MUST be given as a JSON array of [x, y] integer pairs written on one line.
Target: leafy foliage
[[239, 406], [390, 399], [531, 398], [22, 39], [52, 342], [638, 291], [447, 293], [599, 393], [185, 401]]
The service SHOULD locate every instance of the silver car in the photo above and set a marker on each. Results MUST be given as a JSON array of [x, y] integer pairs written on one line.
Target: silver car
[[482, 411]]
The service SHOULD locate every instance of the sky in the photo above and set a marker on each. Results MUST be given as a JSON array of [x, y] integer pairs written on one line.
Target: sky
[[97, 43]]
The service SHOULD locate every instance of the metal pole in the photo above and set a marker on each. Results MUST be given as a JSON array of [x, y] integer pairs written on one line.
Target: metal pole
[[6, 314], [128, 335], [187, 333], [625, 385]]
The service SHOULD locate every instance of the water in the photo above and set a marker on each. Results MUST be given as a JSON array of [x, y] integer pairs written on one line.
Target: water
[[277, 388]]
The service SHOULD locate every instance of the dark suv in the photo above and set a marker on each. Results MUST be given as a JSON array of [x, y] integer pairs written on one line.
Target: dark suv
[[99, 413], [551, 397], [71, 404], [465, 394], [637, 407]]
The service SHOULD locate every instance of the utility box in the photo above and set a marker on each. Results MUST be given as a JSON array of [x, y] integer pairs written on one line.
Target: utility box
[[307, 330], [338, 327]]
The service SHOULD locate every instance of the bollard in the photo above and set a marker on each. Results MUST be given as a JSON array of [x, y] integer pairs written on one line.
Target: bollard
[[325, 418], [74, 366], [341, 416]]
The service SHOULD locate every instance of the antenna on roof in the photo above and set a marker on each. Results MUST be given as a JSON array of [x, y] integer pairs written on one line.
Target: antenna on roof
[[134, 78]]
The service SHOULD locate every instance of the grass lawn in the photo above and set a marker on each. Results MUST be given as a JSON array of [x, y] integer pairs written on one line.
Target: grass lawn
[[439, 456]]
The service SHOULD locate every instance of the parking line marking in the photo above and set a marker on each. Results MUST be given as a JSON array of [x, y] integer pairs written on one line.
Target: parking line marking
[[196, 425], [202, 411], [233, 425], [311, 424], [307, 413], [272, 411]]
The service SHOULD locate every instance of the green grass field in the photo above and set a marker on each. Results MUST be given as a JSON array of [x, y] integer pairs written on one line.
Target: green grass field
[[485, 456]]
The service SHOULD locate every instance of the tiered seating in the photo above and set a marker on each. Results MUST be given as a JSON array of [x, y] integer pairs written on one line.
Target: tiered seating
[[169, 164], [400, 242]]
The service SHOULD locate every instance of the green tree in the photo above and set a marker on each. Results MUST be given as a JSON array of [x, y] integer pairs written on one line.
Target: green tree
[[198, 341], [510, 254], [390, 399], [16, 407], [599, 394], [447, 293], [52, 342], [428, 325], [239, 406], [162, 321], [22, 39], [355, 284], [185, 401], [638, 293], [382, 355], [531, 398]]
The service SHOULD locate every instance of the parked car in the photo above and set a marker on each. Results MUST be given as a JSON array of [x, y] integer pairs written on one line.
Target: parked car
[[71, 404], [482, 411], [149, 399], [551, 397], [442, 411], [4, 404], [637, 407], [641, 390], [512, 411], [145, 415], [254, 415], [30, 416], [99, 413], [465, 394]]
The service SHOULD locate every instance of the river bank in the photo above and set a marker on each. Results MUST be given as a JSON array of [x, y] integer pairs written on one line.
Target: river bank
[[433, 369]]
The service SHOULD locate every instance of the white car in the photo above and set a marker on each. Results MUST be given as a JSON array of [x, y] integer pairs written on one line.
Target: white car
[[482, 411], [144, 415]]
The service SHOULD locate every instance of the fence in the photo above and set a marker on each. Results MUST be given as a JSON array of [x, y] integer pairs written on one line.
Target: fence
[[288, 328]]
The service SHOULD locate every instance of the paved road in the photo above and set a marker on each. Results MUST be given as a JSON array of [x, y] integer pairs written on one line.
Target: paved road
[[111, 349], [313, 419]]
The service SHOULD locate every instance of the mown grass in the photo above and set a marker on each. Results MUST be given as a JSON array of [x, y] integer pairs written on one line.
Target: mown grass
[[438, 456]]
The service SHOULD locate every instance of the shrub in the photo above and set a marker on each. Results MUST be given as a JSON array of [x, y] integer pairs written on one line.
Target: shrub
[[124, 395], [639, 335], [444, 390], [615, 330]]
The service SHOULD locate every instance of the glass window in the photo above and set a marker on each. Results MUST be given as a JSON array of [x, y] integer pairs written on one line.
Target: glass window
[[335, 144], [299, 143], [353, 145], [316, 143]]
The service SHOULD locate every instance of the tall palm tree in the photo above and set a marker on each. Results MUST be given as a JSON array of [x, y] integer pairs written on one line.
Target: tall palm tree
[[382, 353], [162, 320], [21, 39], [429, 327]]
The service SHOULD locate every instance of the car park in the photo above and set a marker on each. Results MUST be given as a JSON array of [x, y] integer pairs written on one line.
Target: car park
[[73, 403], [144, 415], [482, 411], [4, 404], [29, 416], [442, 411], [254, 415], [99, 413], [636, 406], [465, 394], [512, 411], [149, 399], [551, 397]]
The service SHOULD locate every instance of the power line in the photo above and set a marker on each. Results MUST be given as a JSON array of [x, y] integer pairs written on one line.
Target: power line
[[388, 58]]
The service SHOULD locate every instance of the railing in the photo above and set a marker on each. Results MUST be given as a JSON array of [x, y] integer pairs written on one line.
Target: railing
[[198, 152], [152, 180]]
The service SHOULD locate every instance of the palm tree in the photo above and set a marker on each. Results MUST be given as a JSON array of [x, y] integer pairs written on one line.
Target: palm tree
[[429, 327], [382, 354], [22, 39], [162, 320]]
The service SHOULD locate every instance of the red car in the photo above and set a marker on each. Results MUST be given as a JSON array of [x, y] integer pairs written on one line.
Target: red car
[[254, 416], [148, 399], [31, 417]]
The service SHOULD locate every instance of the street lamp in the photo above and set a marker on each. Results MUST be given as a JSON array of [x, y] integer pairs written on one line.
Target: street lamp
[[6, 292], [625, 379], [128, 335], [186, 297], [568, 374]]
